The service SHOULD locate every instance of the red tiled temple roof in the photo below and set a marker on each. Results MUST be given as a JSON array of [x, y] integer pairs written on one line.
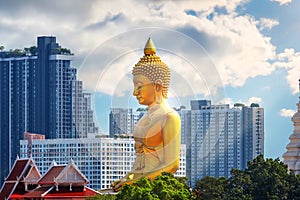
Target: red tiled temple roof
[[48, 178], [16, 185], [17, 170], [6, 190], [87, 192], [37, 192], [62, 192], [16, 196]]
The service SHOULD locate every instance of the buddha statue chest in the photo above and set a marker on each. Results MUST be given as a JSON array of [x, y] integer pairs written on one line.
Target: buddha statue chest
[[148, 131]]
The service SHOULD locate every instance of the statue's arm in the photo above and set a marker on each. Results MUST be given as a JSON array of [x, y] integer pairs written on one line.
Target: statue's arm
[[171, 136]]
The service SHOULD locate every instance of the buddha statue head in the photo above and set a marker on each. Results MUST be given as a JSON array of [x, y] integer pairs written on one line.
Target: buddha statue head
[[153, 68]]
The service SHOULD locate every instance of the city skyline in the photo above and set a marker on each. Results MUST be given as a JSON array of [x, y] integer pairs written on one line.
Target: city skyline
[[40, 93], [253, 45]]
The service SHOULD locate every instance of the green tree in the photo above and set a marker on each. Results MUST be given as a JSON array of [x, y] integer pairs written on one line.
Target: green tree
[[163, 187], [2, 48], [17, 52], [270, 178], [33, 50], [239, 185], [142, 109], [262, 179], [294, 186], [210, 188], [30, 50]]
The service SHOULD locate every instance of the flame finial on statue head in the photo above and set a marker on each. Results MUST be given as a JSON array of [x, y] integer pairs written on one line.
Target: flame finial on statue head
[[149, 48], [153, 68]]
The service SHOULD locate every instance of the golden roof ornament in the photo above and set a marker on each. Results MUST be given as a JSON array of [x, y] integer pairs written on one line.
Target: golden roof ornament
[[149, 48], [153, 68]]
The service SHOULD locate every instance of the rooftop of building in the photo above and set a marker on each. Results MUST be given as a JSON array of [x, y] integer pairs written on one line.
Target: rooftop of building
[[32, 51], [59, 181], [51, 174]]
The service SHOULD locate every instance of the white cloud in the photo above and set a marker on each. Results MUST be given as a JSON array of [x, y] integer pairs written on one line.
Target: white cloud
[[290, 60], [287, 112], [267, 23], [235, 47], [227, 101], [247, 53], [282, 2], [254, 100]]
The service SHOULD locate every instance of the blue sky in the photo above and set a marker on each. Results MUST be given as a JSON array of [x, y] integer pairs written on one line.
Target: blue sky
[[228, 51]]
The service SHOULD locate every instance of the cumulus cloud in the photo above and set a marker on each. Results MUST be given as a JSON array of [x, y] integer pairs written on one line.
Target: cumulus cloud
[[227, 100], [282, 2], [247, 52], [290, 60], [287, 112], [254, 100], [232, 48], [267, 23]]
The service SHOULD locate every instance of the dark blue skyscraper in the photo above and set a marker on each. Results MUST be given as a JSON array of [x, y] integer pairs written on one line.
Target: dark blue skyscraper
[[36, 95]]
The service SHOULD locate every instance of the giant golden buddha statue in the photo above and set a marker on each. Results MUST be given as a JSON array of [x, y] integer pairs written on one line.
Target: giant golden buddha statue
[[157, 134]]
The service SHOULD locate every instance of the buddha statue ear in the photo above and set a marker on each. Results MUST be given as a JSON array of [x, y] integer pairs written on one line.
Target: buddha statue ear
[[158, 85]]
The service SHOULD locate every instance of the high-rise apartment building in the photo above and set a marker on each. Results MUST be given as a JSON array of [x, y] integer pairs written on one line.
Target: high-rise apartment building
[[82, 112], [253, 133], [14, 106], [37, 96], [185, 118], [219, 138], [123, 120], [101, 160]]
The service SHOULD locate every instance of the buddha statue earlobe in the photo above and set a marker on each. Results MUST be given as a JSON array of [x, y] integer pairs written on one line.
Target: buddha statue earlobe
[[158, 98], [158, 90]]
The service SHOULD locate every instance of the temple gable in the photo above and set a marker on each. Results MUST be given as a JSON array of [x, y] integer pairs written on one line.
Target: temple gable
[[33, 176], [71, 175]]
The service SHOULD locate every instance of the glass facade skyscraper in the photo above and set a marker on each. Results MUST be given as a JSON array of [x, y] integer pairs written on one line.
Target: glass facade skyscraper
[[37, 96]]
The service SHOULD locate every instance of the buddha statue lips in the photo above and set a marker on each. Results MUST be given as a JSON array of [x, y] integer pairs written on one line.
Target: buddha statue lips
[[157, 134]]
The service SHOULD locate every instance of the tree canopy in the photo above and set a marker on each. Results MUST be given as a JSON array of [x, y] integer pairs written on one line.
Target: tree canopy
[[163, 187], [262, 179]]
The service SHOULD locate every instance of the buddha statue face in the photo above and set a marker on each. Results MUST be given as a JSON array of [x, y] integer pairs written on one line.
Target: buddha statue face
[[145, 91]]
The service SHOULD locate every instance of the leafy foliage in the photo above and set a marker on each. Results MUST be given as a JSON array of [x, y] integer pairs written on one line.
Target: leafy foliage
[[269, 177], [210, 188], [31, 50], [262, 179], [163, 187], [239, 185], [62, 51], [102, 197]]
